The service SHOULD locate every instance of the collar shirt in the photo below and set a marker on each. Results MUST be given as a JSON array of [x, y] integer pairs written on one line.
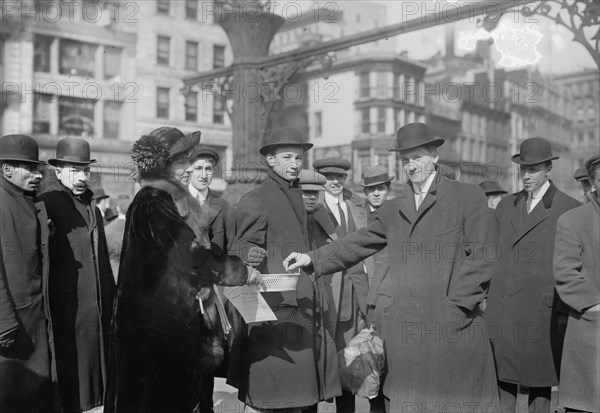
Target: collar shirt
[[199, 195], [538, 194], [424, 190], [333, 202]]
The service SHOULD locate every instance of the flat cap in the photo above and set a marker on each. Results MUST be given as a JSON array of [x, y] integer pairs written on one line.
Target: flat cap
[[202, 151], [311, 180], [332, 165]]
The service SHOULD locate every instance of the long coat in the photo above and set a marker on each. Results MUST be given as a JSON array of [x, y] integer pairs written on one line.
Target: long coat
[[81, 287], [522, 306], [221, 218], [439, 356], [166, 336], [577, 276], [27, 372], [283, 363]]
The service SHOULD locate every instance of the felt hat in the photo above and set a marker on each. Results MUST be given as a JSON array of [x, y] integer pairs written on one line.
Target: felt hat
[[375, 175], [21, 148], [284, 137], [492, 188], [414, 135], [99, 194], [581, 174], [534, 151], [73, 151]]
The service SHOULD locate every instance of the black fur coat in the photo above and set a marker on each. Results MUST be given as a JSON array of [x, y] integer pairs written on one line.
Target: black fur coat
[[162, 346]]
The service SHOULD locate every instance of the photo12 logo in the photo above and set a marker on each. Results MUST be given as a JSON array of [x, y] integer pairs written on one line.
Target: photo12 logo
[[101, 13]]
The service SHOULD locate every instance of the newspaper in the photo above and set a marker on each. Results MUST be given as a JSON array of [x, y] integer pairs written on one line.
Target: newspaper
[[250, 303]]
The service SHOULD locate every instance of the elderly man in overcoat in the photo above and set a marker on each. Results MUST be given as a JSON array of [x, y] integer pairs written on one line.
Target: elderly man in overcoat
[[81, 283], [577, 276], [281, 368], [26, 369], [525, 316], [437, 233]]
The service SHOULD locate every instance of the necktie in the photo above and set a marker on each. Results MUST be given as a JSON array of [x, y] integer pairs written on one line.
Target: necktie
[[529, 201], [342, 218]]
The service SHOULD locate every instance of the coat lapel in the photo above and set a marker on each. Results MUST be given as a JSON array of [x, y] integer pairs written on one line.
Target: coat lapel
[[538, 215], [407, 205], [427, 203], [211, 207], [324, 221], [359, 215]]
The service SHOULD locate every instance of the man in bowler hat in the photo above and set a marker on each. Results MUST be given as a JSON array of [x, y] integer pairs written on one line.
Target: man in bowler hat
[[522, 303], [493, 192], [288, 364], [581, 176], [81, 282], [25, 328], [438, 355]]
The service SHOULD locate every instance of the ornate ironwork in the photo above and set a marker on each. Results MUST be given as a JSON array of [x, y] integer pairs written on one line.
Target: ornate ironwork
[[583, 15]]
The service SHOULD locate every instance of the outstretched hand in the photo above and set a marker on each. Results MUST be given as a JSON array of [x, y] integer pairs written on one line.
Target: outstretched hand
[[299, 260], [254, 277]]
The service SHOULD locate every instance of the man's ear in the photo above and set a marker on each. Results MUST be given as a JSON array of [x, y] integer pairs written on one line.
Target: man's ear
[[271, 160], [58, 172], [436, 156], [7, 170]]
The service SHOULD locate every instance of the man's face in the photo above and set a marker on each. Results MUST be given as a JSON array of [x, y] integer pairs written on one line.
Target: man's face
[[179, 169], [335, 183], [286, 162], [26, 176], [419, 163], [310, 200], [596, 178], [203, 170], [74, 177], [493, 200], [376, 195], [534, 176]]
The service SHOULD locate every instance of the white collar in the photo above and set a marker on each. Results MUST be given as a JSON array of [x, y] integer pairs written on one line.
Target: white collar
[[334, 200], [428, 182], [201, 195], [541, 191]]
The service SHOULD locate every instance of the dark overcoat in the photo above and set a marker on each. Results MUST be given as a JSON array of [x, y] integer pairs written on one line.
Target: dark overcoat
[[439, 356], [166, 336], [283, 363], [81, 289], [221, 218], [114, 240], [27, 371], [522, 306], [577, 276]]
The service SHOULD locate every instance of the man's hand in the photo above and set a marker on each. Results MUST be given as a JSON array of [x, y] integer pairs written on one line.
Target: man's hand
[[254, 277], [256, 255], [300, 260]]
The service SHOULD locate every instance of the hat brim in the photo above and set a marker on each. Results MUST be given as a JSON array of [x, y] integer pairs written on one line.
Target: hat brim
[[265, 149], [500, 192], [15, 159], [311, 187], [517, 159], [55, 161], [390, 180], [437, 142]]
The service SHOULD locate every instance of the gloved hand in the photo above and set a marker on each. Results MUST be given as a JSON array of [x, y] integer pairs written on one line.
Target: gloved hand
[[256, 255]]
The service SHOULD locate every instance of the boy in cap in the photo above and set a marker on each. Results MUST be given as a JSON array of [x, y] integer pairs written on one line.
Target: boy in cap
[[25, 328], [347, 289], [522, 301], [283, 362], [493, 193], [438, 355], [376, 185], [81, 283]]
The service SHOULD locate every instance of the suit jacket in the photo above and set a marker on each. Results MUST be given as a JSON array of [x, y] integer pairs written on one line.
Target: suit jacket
[[437, 343], [577, 276], [221, 217], [522, 302]]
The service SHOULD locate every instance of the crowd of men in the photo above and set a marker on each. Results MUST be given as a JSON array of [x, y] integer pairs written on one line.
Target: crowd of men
[[478, 294]]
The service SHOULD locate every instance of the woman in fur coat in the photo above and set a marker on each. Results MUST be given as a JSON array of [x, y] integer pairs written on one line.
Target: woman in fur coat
[[166, 335]]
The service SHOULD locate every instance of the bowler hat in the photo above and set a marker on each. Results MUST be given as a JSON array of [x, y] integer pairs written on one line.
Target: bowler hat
[[591, 163], [332, 165], [581, 174], [492, 188], [202, 151], [375, 175], [22, 148], [72, 150], [99, 194], [534, 151], [414, 135], [284, 137], [311, 180]]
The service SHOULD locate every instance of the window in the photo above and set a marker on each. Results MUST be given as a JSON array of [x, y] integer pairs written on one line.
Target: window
[[318, 124], [580, 115], [381, 119], [365, 120], [112, 62], [191, 9], [162, 50], [396, 91], [77, 58], [162, 102], [41, 53], [112, 117], [218, 56], [75, 116], [382, 84], [41, 112], [191, 107], [162, 6], [364, 87], [383, 159], [218, 110], [191, 56]]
